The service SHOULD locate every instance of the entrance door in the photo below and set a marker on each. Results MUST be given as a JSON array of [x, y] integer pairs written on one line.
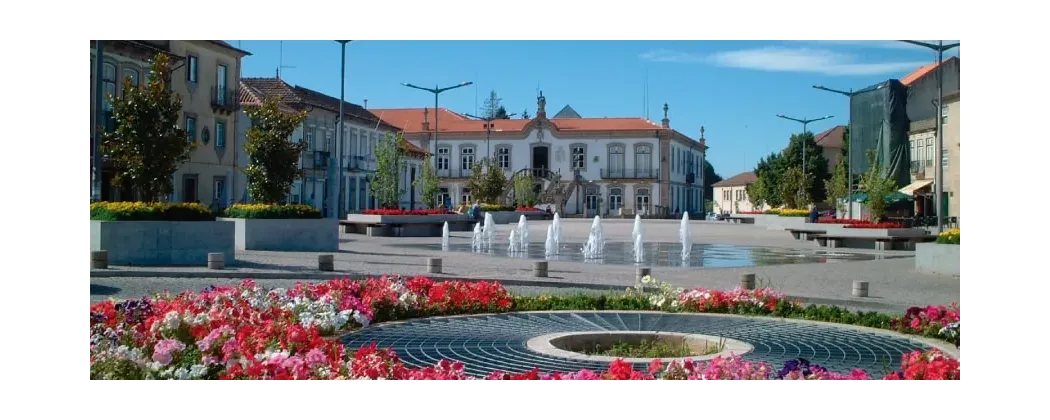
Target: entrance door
[[541, 157], [189, 189], [412, 188], [591, 201]]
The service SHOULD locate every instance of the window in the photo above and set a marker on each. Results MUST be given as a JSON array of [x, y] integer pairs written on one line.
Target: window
[[616, 161], [591, 198], [615, 199], [725, 195], [929, 152], [503, 157], [643, 160], [220, 190], [944, 158], [443, 158], [944, 114], [465, 196], [373, 139], [641, 199], [921, 151], [466, 158], [443, 197], [310, 139], [220, 134], [133, 75], [220, 84], [913, 156], [191, 129], [191, 68], [109, 82], [353, 142], [674, 157], [579, 156]]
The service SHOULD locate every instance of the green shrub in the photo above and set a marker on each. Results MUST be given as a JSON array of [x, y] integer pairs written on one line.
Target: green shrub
[[273, 211], [139, 211]]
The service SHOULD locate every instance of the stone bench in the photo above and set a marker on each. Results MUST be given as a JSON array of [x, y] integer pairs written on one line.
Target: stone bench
[[739, 219], [404, 229], [805, 234], [882, 243]]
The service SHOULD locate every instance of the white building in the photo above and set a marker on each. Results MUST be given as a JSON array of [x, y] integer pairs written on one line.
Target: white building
[[730, 195], [628, 163], [362, 131]]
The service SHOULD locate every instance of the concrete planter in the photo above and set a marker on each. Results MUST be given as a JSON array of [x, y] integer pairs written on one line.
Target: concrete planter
[[505, 217], [162, 243], [407, 226], [377, 219], [303, 235], [937, 258], [775, 222], [906, 233]]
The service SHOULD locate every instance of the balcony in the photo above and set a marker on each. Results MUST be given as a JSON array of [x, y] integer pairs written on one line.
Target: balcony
[[224, 100], [635, 173], [357, 164], [320, 160], [690, 178]]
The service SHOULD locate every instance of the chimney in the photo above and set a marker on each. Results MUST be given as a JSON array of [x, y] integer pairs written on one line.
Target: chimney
[[541, 106], [426, 123], [666, 122]]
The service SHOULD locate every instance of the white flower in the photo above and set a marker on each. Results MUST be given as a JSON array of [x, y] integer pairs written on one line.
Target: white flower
[[197, 371], [172, 320]]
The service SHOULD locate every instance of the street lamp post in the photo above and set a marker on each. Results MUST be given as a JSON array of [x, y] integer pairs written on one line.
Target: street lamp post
[[849, 154], [488, 129], [938, 173], [335, 170], [436, 91], [804, 122]]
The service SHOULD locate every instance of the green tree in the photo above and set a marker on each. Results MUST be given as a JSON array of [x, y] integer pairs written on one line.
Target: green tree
[[147, 146], [386, 182], [838, 186], [428, 183], [273, 157], [816, 163], [794, 191], [493, 108], [487, 181], [710, 178], [770, 170], [756, 193], [524, 189], [878, 186]]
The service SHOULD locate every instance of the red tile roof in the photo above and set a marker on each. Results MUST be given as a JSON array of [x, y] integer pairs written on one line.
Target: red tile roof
[[737, 180], [922, 71], [411, 120], [831, 137]]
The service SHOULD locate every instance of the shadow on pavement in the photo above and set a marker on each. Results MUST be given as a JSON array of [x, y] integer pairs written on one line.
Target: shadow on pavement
[[98, 289]]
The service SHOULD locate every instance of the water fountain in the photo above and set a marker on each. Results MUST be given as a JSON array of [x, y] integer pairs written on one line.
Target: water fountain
[[639, 252], [595, 246], [514, 245], [685, 234], [556, 224], [637, 226], [489, 230], [523, 232], [477, 239], [550, 247], [444, 237]]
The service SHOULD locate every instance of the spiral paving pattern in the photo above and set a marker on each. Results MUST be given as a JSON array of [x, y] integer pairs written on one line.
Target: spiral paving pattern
[[486, 343]]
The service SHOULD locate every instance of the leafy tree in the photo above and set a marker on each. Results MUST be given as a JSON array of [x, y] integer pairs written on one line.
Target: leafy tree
[[524, 189], [146, 145], [486, 180], [428, 183], [273, 157], [770, 170], [816, 163], [756, 193], [386, 182], [710, 178], [501, 113], [878, 186], [794, 191], [838, 186]]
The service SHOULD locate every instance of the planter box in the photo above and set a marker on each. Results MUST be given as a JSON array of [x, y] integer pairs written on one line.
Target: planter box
[[406, 226], [162, 243], [507, 217], [937, 258], [382, 220], [303, 235]]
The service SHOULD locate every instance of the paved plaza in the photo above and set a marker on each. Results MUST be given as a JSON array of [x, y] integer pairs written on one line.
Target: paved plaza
[[893, 282]]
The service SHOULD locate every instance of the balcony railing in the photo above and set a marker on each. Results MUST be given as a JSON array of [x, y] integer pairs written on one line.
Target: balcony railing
[[225, 99], [635, 173], [918, 167], [357, 163]]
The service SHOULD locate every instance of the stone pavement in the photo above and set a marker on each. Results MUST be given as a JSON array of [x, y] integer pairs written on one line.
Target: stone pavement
[[893, 283]]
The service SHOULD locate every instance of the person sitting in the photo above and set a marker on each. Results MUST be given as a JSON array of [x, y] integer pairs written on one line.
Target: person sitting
[[813, 214]]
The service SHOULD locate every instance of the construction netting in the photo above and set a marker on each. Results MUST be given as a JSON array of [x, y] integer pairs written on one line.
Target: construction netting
[[880, 123]]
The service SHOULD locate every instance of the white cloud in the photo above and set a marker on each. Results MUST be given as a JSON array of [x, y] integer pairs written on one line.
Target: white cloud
[[781, 59], [887, 44]]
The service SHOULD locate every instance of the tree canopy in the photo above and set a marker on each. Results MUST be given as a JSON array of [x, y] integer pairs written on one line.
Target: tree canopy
[[273, 156]]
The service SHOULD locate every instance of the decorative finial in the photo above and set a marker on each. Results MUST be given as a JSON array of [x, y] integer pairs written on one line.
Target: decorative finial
[[427, 111], [701, 132], [665, 110]]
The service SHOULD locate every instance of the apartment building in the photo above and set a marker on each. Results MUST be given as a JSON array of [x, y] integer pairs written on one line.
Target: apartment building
[[205, 75], [362, 131], [730, 195], [922, 138], [599, 165]]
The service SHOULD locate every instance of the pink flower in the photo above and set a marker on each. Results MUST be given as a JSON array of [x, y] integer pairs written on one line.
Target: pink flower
[[162, 351], [316, 357]]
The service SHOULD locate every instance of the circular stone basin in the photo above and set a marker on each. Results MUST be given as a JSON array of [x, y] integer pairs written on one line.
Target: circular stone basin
[[571, 345]]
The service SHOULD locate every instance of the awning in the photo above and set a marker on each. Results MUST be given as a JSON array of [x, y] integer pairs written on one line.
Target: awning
[[917, 185]]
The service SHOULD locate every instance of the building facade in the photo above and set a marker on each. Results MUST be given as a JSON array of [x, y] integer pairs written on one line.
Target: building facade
[[730, 195], [604, 166], [362, 132], [922, 137], [205, 75]]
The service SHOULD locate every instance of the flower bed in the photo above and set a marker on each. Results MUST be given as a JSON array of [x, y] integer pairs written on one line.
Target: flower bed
[[247, 332], [496, 207], [870, 225], [140, 211], [830, 220], [793, 213], [403, 212], [753, 212], [272, 211], [527, 209], [949, 237]]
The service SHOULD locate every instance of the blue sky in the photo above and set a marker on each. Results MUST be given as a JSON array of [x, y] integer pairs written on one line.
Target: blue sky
[[732, 88]]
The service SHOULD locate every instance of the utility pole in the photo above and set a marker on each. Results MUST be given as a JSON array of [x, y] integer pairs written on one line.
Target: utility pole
[[436, 91], [335, 170], [803, 138], [488, 129], [938, 173]]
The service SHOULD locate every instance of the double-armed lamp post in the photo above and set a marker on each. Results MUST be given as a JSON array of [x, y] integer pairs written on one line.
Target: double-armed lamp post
[[436, 91]]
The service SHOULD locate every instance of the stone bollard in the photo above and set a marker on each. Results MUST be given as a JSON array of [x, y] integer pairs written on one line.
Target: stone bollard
[[216, 260], [99, 259], [641, 272], [860, 288], [434, 265], [747, 281], [326, 262], [539, 269]]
